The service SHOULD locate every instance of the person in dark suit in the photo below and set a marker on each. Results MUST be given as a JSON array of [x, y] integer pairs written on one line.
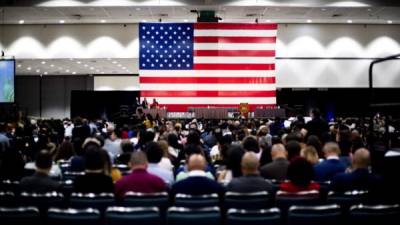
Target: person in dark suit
[[360, 178], [327, 169], [276, 169], [317, 126], [94, 180], [40, 181], [251, 181], [197, 182]]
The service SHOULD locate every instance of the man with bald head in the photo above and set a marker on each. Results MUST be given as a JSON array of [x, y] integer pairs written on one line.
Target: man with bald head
[[360, 178], [327, 169], [251, 181], [276, 169], [197, 182]]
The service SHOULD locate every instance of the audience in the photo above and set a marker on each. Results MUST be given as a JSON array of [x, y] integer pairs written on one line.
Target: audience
[[327, 169], [40, 181], [300, 174], [277, 169], [310, 154], [251, 181], [139, 180]]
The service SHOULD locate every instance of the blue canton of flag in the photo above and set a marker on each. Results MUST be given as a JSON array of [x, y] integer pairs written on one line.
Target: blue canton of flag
[[166, 46]]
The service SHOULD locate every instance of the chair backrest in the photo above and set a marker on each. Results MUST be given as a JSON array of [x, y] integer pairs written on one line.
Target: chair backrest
[[196, 201], [132, 215], [254, 217], [286, 199], [348, 198], [42, 200], [254, 200], [71, 216], [90, 200], [9, 185], [71, 175], [194, 216], [19, 215], [315, 215], [374, 214], [7, 198], [136, 199]]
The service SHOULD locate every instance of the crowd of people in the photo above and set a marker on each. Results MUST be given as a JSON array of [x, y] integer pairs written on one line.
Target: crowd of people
[[199, 156]]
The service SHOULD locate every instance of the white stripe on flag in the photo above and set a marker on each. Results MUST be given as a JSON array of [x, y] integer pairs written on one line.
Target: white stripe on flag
[[229, 46], [234, 60], [206, 87], [235, 33], [211, 100], [206, 73]]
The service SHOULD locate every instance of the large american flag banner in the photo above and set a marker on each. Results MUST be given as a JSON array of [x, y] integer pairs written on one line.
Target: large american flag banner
[[185, 65]]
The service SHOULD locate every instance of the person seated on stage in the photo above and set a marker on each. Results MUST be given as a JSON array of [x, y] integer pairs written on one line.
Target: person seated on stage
[[40, 181], [300, 174], [154, 105], [139, 180], [251, 181]]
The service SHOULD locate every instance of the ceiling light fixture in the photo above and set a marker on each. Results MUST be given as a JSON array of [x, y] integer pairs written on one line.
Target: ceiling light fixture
[[185, 20], [268, 21], [309, 21], [28, 68], [21, 21], [349, 21], [43, 62], [144, 21], [45, 73], [389, 22], [51, 65], [85, 65], [61, 21], [91, 68], [114, 62], [19, 65], [74, 73], [103, 21]]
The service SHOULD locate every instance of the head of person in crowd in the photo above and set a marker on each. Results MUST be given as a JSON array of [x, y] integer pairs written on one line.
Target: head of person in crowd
[[43, 162], [197, 162], [65, 151], [310, 154], [314, 141], [331, 149], [300, 172], [278, 151], [94, 161], [154, 152], [250, 143], [233, 160], [293, 148], [249, 163], [138, 161], [361, 159]]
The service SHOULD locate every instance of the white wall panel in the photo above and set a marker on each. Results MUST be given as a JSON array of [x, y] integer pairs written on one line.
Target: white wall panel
[[121, 83]]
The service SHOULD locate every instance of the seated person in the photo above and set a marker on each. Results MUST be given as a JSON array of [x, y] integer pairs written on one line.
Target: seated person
[[360, 178], [251, 181], [139, 180], [327, 169], [197, 182], [154, 154], [94, 180], [40, 181], [277, 169], [300, 174]]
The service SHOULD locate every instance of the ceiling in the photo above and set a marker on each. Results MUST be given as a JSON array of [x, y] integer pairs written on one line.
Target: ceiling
[[95, 66]]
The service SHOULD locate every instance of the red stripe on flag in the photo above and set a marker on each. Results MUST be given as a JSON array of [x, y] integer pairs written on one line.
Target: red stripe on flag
[[207, 94], [238, 53], [235, 26], [210, 66], [207, 80], [204, 39], [185, 107]]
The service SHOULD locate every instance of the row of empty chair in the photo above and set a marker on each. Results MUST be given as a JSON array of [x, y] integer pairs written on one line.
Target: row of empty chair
[[297, 215]]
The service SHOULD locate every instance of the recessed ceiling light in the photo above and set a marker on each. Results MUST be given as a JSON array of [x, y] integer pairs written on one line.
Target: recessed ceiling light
[[79, 62], [73, 72], [144, 21], [60, 68], [67, 71], [119, 65], [349, 21], [86, 65], [103, 21], [19, 65], [92, 68], [102, 72], [51, 65], [61, 21], [323, 9], [45, 73], [309, 21], [185, 20], [114, 62], [21, 21], [43, 62], [124, 68], [28, 68], [268, 21], [108, 58], [71, 59], [138, 9], [37, 71], [389, 22]]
